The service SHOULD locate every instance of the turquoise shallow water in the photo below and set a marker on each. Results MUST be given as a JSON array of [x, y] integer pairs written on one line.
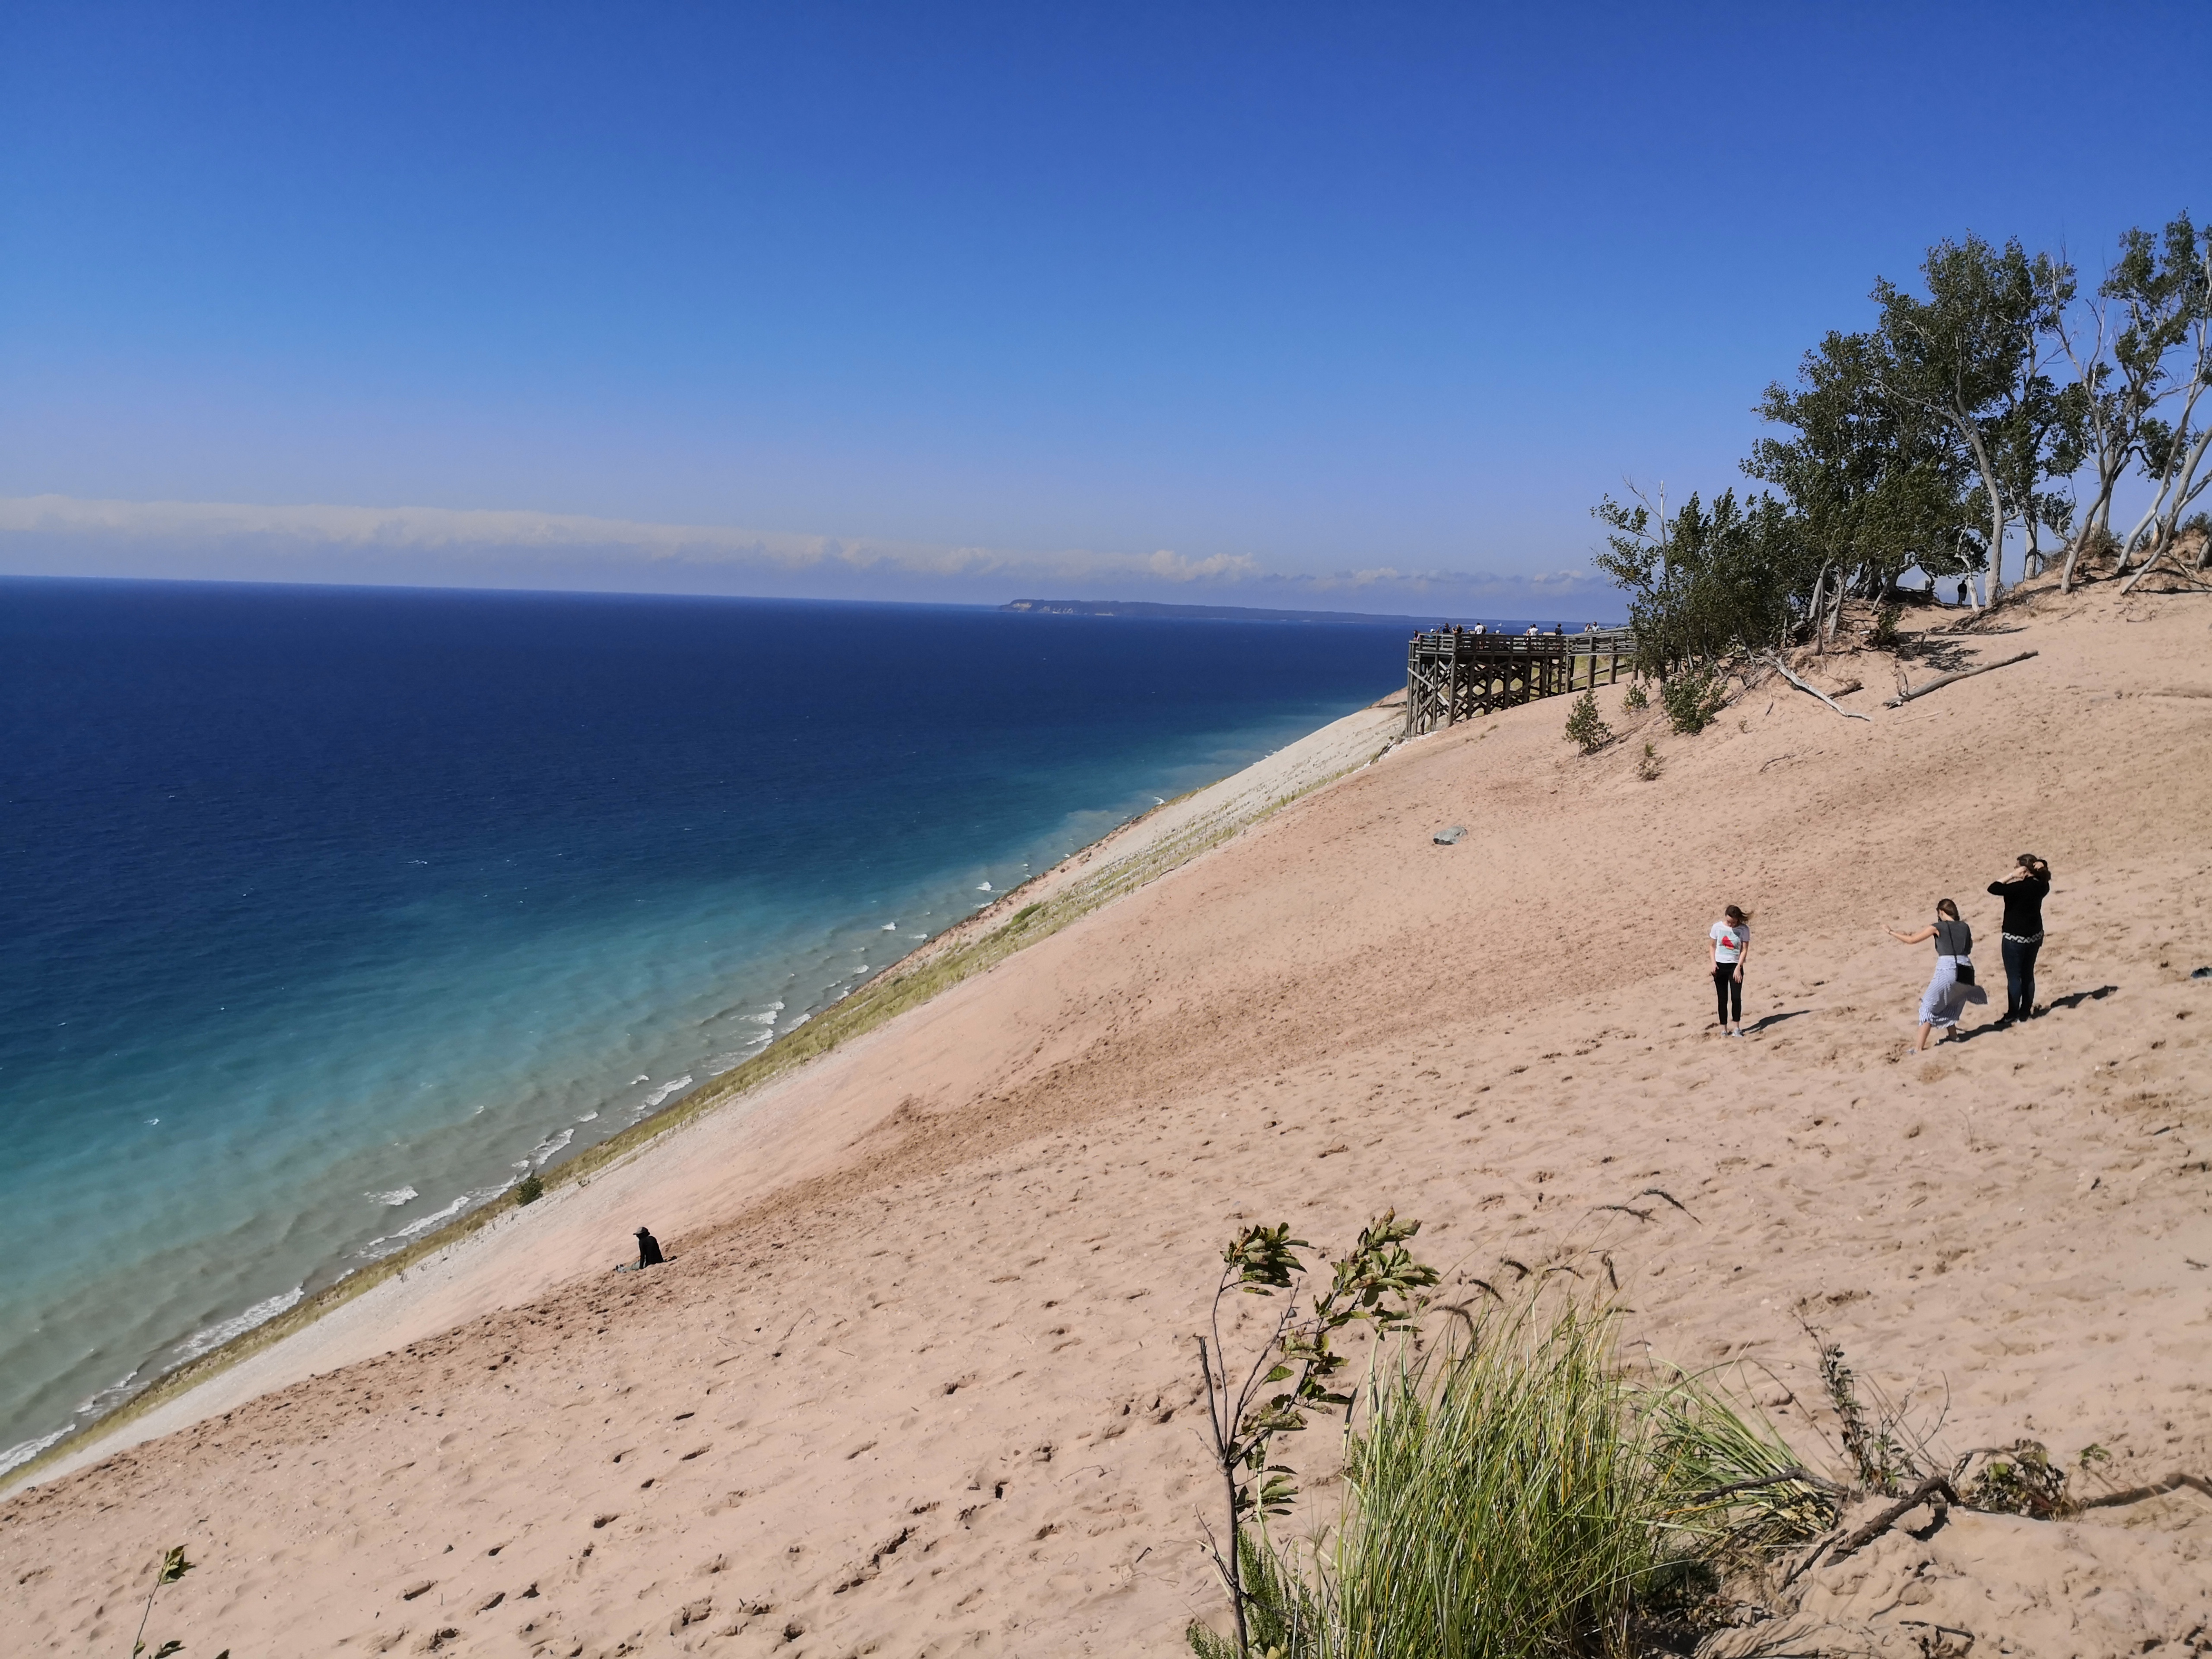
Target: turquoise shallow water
[[329, 912]]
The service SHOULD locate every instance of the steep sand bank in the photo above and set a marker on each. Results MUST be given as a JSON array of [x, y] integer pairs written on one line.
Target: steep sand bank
[[918, 1380]]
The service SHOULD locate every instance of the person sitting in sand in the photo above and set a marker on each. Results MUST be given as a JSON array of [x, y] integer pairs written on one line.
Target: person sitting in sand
[[649, 1249], [1731, 937], [2023, 890], [1952, 987]]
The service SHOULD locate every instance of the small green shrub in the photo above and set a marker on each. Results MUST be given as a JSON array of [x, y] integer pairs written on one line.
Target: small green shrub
[[529, 1189], [1025, 912], [1883, 635], [1692, 697], [1650, 766], [1584, 727], [1636, 698], [2021, 1480], [1515, 1495]]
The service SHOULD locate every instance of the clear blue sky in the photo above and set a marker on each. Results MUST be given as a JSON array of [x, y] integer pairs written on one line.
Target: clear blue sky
[[1107, 292]]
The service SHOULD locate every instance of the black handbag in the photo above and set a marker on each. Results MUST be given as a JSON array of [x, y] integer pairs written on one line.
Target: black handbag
[[1965, 972]]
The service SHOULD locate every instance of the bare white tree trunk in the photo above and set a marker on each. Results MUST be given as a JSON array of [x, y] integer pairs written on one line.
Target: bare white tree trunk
[[1998, 517], [2181, 488]]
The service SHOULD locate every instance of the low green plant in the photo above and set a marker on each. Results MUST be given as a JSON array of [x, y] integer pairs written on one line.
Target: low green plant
[[1880, 1456], [2018, 1479], [1636, 700], [1883, 635], [173, 1566], [1025, 912], [1518, 1495], [1378, 1284], [1584, 727], [1649, 766], [530, 1188], [1692, 697]]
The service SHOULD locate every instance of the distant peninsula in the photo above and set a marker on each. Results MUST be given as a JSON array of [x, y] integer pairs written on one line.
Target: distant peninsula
[[1203, 612]]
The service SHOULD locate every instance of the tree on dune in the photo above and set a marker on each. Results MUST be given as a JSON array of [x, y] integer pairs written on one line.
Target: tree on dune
[[1971, 355]]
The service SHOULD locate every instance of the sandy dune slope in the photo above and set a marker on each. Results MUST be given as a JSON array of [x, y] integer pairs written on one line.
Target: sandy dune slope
[[920, 1379]]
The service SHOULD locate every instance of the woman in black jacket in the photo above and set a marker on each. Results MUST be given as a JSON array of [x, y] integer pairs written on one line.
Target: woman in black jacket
[[2022, 890]]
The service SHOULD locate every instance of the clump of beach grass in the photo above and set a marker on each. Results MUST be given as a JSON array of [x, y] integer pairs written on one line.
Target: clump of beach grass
[[1516, 1493]]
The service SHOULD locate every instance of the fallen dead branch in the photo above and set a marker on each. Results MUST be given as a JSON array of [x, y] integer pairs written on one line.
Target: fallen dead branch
[[1775, 663], [1942, 680], [1935, 1491], [2174, 1482]]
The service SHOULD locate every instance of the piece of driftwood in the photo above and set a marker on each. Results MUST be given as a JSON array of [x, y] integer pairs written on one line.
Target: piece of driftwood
[[1942, 680], [1935, 1491], [1775, 663], [2174, 1482]]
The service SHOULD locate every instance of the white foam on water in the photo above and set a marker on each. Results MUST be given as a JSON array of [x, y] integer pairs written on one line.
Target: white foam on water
[[588, 1117], [215, 1335], [551, 1145], [640, 1078], [768, 1018], [100, 1404], [982, 886], [421, 1224], [24, 1451], [396, 1197], [889, 927], [668, 1089]]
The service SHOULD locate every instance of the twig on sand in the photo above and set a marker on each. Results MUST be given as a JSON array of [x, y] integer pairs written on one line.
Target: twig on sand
[[1935, 1491], [2174, 1482], [1624, 1209], [1775, 663], [1942, 680]]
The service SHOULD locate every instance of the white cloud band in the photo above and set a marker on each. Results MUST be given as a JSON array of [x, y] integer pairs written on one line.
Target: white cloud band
[[66, 535]]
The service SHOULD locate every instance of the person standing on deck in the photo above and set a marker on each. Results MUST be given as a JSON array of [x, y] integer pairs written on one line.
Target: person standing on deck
[[1731, 941], [2023, 890]]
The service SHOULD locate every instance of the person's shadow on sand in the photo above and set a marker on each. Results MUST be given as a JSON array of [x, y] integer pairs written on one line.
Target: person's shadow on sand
[[2078, 998], [1757, 1026], [2073, 1000]]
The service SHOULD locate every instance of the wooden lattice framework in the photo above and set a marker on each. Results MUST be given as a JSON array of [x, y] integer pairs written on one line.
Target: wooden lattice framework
[[1453, 675]]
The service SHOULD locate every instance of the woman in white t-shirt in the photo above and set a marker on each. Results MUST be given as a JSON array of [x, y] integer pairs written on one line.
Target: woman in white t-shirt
[[1731, 937]]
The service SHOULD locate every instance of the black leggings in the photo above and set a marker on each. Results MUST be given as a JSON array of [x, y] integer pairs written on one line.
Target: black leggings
[[1727, 988], [2020, 977]]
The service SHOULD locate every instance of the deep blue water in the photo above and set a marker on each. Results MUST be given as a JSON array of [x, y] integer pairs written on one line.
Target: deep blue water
[[328, 911]]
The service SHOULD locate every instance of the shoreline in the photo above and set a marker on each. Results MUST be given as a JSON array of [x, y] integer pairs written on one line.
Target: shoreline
[[1128, 856]]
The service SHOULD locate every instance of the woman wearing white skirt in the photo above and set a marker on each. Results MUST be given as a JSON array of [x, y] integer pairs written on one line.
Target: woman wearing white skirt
[[1952, 989]]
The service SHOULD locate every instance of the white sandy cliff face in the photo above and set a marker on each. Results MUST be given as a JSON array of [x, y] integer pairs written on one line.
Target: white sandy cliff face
[[920, 1378]]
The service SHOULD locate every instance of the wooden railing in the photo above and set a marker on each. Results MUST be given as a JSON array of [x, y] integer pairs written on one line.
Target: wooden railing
[[1453, 674]]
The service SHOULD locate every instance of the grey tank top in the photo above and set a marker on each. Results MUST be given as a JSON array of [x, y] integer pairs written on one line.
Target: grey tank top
[[1953, 938]]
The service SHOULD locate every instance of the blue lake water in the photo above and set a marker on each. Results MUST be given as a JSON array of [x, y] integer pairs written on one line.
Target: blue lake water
[[327, 912]]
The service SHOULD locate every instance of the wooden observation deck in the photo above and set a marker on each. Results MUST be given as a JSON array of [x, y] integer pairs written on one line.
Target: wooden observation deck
[[1454, 674]]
